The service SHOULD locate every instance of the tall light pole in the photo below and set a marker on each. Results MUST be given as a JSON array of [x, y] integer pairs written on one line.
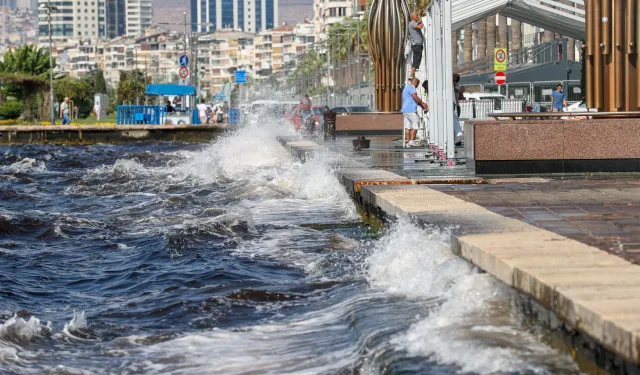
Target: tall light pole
[[185, 32], [53, 115]]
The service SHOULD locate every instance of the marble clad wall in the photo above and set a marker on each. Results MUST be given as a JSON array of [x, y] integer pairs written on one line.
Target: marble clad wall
[[369, 122], [556, 139]]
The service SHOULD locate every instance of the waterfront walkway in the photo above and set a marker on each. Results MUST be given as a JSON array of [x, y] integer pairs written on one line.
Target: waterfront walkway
[[568, 242]]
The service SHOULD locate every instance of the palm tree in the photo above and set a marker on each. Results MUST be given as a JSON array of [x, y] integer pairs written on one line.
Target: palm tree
[[482, 39], [26, 60]]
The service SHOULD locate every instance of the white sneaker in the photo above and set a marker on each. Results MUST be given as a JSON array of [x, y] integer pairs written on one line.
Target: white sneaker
[[412, 143]]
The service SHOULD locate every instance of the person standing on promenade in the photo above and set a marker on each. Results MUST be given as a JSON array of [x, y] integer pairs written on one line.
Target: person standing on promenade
[[64, 112], [202, 112], [417, 42], [558, 99], [97, 109], [410, 102]]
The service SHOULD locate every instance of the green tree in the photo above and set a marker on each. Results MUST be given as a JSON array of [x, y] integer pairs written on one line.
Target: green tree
[[78, 90], [131, 87], [27, 60], [100, 85]]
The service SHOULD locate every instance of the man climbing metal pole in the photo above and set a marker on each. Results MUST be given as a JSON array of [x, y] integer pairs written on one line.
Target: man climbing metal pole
[[417, 42]]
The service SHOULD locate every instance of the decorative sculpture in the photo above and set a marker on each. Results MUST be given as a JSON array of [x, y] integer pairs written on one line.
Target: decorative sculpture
[[612, 71], [388, 22]]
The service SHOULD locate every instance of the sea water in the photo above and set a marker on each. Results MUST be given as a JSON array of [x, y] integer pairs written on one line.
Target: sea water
[[233, 258]]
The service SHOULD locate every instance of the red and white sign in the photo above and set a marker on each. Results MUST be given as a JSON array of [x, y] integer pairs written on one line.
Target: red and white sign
[[183, 72], [501, 78]]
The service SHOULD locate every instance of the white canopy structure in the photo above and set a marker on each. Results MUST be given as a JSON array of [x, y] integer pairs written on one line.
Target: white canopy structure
[[565, 17]]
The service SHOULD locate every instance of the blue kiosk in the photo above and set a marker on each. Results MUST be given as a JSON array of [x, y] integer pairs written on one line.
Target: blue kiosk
[[160, 114]]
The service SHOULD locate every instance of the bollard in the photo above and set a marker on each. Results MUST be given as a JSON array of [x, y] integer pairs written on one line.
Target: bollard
[[329, 125]]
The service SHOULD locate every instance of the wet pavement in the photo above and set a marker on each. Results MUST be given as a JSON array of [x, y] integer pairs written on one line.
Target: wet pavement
[[601, 210]]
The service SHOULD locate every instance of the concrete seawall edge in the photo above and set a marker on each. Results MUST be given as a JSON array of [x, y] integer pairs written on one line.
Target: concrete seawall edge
[[589, 290]]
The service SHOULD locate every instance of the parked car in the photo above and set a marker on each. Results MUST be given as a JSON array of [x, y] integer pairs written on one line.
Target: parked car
[[352, 109]]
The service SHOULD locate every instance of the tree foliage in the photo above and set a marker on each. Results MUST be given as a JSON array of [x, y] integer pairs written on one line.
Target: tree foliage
[[78, 90], [26, 59], [131, 87], [100, 85]]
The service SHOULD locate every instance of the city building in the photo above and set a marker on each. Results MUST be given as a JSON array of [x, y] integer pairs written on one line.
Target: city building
[[329, 12], [139, 16], [251, 16], [17, 27], [116, 18], [78, 19]]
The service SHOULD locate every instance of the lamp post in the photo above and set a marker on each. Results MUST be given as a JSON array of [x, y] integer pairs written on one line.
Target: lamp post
[[49, 8]]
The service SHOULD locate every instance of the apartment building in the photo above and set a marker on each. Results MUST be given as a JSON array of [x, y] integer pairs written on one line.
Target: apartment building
[[250, 16], [77, 19], [138, 17], [329, 12], [17, 26]]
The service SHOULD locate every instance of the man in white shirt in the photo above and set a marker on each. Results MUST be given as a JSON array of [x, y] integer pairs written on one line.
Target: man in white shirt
[[64, 112], [202, 112]]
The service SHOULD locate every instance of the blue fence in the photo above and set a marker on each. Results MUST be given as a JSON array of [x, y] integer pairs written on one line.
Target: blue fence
[[141, 115], [195, 120]]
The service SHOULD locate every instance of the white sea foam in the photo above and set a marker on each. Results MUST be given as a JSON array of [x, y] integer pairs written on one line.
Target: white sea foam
[[26, 165], [19, 331], [474, 327]]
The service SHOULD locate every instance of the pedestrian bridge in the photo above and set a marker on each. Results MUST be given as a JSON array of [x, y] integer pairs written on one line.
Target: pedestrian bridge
[[565, 17]]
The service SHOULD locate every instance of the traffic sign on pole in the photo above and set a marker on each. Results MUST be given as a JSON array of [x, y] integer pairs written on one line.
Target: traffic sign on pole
[[183, 72], [184, 60], [500, 59], [241, 76], [500, 78]]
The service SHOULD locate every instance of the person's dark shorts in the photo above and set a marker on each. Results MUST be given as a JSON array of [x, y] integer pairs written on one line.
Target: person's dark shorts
[[417, 55]]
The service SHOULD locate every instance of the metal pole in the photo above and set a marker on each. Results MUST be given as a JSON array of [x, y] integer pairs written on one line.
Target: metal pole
[[358, 66], [185, 32], [328, 52], [349, 64], [53, 115]]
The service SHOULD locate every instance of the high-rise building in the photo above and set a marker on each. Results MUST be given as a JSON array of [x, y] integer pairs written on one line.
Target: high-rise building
[[77, 19], [139, 16], [250, 16], [116, 18]]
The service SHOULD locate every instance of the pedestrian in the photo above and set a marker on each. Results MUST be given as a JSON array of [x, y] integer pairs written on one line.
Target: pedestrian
[[64, 112], [410, 102], [75, 112], [97, 110], [202, 112], [305, 110], [225, 110], [558, 99], [458, 92], [417, 42]]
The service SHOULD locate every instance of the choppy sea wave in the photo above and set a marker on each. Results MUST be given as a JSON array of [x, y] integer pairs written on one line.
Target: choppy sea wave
[[174, 258]]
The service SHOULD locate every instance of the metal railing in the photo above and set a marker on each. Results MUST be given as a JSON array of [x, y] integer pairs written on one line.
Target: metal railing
[[141, 115]]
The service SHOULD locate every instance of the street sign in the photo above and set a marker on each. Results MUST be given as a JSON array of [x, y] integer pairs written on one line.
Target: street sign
[[500, 59], [183, 82], [241, 76], [184, 60], [501, 78], [183, 72]]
